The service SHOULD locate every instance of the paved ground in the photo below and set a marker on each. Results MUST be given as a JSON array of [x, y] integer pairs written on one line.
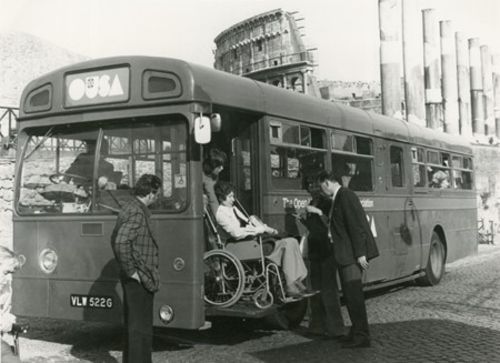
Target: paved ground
[[456, 321]]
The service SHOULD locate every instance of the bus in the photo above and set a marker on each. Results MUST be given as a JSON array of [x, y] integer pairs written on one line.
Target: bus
[[135, 115]]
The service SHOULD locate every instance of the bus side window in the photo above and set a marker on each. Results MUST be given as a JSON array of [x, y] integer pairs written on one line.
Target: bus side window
[[397, 176]]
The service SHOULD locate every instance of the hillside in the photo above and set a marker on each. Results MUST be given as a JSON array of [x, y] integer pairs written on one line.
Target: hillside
[[24, 57]]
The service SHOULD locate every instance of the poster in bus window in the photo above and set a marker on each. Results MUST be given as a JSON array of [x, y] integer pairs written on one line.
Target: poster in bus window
[[293, 168]]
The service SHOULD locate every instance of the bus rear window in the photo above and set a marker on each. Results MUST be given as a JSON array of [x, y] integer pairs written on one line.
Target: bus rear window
[[93, 170]]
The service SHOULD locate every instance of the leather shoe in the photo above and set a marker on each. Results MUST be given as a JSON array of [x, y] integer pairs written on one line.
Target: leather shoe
[[364, 343]]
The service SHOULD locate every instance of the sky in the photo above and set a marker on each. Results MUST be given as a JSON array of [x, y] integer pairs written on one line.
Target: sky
[[345, 32]]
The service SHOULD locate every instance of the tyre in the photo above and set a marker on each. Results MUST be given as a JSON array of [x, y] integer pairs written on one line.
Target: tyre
[[434, 269], [289, 316], [224, 278]]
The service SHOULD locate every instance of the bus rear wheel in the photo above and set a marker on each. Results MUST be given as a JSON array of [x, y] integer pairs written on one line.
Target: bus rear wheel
[[434, 270], [288, 316]]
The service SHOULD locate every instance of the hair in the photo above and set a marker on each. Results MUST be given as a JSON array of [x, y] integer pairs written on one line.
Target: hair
[[214, 159], [222, 190], [146, 184], [333, 176], [6, 255]]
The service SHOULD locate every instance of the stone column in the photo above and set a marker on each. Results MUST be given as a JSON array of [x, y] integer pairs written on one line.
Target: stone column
[[390, 56], [449, 74], [432, 72], [487, 77], [412, 63], [496, 92], [476, 87], [463, 79]]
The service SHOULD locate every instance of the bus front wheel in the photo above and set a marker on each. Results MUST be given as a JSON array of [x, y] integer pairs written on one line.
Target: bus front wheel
[[434, 270]]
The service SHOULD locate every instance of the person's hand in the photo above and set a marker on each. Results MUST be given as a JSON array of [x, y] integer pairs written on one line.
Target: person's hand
[[363, 262], [313, 209], [136, 277], [271, 231]]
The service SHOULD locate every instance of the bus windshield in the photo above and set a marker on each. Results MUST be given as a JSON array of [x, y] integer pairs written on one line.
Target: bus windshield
[[91, 168]]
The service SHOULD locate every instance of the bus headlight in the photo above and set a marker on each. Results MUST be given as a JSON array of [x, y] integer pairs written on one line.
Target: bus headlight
[[47, 260], [166, 314]]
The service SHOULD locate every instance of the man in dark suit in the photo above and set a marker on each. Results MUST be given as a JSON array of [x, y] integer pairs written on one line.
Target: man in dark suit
[[354, 246], [136, 252]]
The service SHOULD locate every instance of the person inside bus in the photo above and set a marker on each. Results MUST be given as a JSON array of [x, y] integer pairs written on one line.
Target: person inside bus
[[10, 262], [212, 166], [83, 168], [286, 252]]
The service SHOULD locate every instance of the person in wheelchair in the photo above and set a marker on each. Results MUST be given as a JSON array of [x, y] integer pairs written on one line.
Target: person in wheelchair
[[286, 252], [10, 262]]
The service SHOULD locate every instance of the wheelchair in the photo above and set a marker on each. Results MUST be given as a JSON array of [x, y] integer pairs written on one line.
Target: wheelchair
[[238, 271]]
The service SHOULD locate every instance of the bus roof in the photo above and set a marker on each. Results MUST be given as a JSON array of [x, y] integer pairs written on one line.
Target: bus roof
[[203, 84]]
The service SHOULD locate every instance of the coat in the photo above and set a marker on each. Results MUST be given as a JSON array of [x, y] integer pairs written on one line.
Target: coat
[[351, 233], [134, 245]]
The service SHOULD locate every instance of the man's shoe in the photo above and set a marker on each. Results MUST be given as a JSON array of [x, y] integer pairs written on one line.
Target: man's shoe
[[364, 343], [339, 338]]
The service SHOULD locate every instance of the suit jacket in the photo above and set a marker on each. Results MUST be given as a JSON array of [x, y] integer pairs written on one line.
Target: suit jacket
[[351, 233], [134, 245]]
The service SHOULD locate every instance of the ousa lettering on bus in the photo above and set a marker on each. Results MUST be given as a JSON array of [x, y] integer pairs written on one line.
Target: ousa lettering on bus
[[295, 203]]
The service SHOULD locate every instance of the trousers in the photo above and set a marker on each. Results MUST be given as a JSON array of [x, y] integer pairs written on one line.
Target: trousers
[[352, 289], [287, 254], [326, 315], [138, 320]]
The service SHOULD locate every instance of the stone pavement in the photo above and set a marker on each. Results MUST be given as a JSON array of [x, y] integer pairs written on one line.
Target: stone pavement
[[455, 321]]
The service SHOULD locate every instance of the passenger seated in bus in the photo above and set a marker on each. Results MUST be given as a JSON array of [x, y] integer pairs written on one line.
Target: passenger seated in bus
[[440, 179], [83, 168], [286, 252], [212, 166]]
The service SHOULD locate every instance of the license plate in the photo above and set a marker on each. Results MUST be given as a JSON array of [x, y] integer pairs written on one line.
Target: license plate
[[91, 301]]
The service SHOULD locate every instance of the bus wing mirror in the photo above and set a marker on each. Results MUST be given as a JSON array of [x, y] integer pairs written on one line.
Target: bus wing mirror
[[202, 130], [215, 122]]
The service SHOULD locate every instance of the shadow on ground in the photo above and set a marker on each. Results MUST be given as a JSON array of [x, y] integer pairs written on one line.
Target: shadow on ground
[[409, 341]]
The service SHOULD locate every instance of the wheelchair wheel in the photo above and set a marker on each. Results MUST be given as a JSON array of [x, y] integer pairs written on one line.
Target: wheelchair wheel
[[263, 299], [224, 278]]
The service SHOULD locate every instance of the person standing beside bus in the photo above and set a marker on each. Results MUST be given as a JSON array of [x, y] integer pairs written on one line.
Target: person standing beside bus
[[326, 316], [212, 167], [353, 246], [136, 252]]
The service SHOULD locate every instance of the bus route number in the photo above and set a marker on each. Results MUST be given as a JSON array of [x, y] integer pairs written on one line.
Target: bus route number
[[90, 301]]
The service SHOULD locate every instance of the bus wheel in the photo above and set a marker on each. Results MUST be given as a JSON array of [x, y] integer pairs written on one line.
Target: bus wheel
[[434, 270], [288, 316], [224, 278]]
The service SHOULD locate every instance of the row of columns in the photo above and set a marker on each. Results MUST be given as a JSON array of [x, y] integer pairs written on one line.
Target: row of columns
[[451, 83]]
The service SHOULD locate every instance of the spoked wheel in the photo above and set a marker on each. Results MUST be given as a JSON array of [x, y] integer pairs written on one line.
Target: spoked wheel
[[224, 278], [434, 270]]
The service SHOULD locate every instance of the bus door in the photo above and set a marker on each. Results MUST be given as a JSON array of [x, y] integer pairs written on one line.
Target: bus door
[[402, 218], [238, 139]]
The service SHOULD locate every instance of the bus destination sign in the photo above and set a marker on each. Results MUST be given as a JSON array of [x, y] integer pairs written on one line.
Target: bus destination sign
[[97, 87]]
